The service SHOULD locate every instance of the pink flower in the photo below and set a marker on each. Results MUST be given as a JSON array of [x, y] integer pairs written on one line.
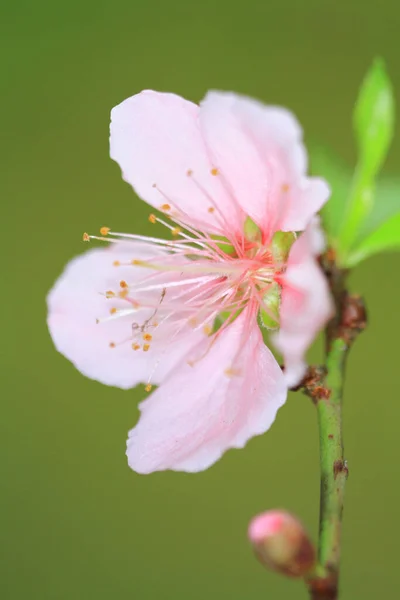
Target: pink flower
[[230, 178]]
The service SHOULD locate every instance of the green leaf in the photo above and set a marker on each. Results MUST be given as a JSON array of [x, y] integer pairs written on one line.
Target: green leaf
[[374, 119], [326, 164], [374, 127], [387, 204], [386, 237]]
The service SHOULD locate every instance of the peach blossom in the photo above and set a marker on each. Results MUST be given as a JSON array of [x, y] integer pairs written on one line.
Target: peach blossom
[[229, 179]]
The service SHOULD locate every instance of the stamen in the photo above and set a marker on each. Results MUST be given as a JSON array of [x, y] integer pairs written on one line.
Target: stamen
[[148, 387], [232, 372], [86, 237], [214, 171], [190, 281]]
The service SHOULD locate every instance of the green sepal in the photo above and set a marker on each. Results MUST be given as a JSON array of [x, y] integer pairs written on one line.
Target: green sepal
[[282, 241], [224, 244], [269, 316], [251, 230], [222, 317]]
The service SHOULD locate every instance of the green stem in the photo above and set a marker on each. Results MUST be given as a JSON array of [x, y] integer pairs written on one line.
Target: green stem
[[349, 320], [333, 470], [333, 466], [323, 584]]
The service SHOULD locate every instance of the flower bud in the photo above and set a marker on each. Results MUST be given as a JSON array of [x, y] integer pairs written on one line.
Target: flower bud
[[281, 543]]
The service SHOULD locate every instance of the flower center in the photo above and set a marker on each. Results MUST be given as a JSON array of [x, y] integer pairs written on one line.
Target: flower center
[[196, 280]]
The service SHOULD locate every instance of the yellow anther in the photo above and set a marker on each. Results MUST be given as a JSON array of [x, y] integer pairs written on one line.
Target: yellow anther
[[189, 172], [147, 337], [123, 293], [214, 171], [113, 310], [230, 372], [165, 207], [285, 187], [146, 347], [176, 231], [104, 230], [123, 284], [116, 263], [110, 294], [192, 322], [86, 237], [111, 345], [152, 218], [148, 387], [154, 185], [136, 262], [211, 209], [207, 329], [135, 347]]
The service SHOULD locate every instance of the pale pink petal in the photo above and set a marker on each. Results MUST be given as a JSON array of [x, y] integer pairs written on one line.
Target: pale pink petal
[[306, 199], [200, 411], [77, 300], [306, 303], [261, 157], [156, 140]]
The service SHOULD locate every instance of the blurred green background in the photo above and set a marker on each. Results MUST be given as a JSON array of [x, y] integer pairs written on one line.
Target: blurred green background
[[76, 523]]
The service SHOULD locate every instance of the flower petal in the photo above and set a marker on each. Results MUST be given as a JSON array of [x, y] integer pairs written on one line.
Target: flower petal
[[306, 303], [306, 200], [78, 299], [259, 152], [156, 140], [200, 411]]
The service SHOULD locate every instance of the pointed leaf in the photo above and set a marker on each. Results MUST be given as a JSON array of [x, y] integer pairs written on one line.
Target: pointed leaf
[[386, 205], [374, 127], [374, 119], [386, 237]]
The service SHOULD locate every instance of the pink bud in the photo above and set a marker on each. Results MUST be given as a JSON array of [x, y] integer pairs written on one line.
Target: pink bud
[[281, 543]]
